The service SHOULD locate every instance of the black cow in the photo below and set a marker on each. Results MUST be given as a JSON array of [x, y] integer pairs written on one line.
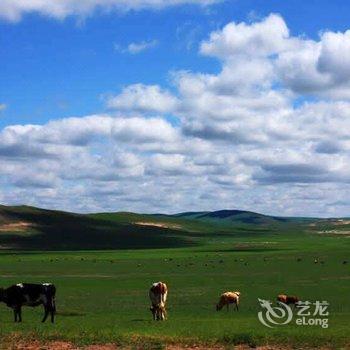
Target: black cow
[[28, 294]]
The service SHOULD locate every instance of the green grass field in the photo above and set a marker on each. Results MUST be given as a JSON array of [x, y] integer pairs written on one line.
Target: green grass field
[[102, 296]]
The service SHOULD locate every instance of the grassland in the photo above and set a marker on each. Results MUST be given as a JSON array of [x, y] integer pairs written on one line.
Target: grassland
[[103, 295]]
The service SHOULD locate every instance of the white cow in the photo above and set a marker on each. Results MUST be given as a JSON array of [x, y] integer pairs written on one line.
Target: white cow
[[158, 295]]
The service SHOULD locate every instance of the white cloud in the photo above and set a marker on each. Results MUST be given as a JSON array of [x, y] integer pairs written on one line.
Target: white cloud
[[13, 10], [143, 98], [318, 67], [80, 132], [305, 66], [335, 55], [136, 48], [247, 136], [258, 39], [3, 106]]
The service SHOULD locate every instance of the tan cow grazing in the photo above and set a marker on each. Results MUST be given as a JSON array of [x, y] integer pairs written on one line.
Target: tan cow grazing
[[228, 298], [288, 299], [158, 295]]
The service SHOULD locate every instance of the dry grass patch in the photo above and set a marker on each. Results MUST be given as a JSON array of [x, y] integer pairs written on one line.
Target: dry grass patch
[[20, 226], [159, 224]]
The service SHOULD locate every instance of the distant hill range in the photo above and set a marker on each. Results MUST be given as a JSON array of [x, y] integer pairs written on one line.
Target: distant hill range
[[243, 216], [24, 227]]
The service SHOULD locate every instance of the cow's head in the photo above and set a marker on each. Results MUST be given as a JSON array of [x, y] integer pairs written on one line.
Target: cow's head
[[282, 298]]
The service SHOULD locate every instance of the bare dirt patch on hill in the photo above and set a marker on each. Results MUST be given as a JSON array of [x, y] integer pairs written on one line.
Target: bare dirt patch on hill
[[159, 224], [18, 226]]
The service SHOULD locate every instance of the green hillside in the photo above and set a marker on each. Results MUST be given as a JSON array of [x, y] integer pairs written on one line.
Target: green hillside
[[32, 228], [24, 227], [240, 216]]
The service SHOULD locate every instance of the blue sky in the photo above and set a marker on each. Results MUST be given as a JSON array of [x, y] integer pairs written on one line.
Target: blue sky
[[79, 62], [56, 68]]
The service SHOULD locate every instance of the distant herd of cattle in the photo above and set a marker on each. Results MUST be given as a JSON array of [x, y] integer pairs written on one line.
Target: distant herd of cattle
[[28, 294]]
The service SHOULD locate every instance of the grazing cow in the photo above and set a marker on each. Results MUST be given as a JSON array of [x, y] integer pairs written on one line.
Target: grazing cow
[[288, 299], [28, 294], [227, 299], [158, 295]]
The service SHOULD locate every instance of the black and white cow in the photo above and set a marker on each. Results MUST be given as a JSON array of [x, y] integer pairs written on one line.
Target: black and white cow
[[28, 294]]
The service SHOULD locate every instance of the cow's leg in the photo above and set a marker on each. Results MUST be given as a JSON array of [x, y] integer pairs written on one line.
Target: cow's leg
[[53, 310], [49, 309], [227, 306], [237, 306], [52, 313], [18, 313], [153, 312], [46, 308]]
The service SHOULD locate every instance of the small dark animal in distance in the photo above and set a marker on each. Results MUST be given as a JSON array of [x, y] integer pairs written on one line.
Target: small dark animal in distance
[[288, 299]]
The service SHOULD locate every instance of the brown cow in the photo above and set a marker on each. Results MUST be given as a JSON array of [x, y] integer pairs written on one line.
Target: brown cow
[[158, 295], [288, 299], [228, 298]]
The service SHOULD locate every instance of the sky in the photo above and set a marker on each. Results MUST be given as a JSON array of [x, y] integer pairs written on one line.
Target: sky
[[176, 105]]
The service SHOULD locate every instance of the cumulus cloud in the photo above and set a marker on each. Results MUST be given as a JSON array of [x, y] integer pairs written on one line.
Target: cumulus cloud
[[258, 39], [144, 98], [248, 136], [318, 67], [13, 10], [301, 64], [77, 132]]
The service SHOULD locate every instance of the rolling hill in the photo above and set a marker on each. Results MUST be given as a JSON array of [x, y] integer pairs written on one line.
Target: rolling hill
[[247, 217], [24, 227]]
